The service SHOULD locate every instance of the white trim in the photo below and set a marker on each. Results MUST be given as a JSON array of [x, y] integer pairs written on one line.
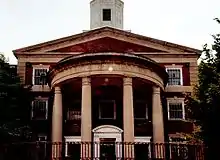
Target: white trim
[[113, 101], [119, 150], [181, 73], [142, 139], [38, 67], [70, 139], [40, 99], [173, 142], [178, 148], [146, 140], [107, 131], [41, 136], [176, 100]]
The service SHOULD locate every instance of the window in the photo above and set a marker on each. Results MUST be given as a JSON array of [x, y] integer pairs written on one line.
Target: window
[[175, 76], [177, 139], [176, 110], [140, 110], [42, 138], [106, 14], [39, 76], [42, 146], [178, 149], [39, 109], [107, 109], [74, 112], [73, 146]]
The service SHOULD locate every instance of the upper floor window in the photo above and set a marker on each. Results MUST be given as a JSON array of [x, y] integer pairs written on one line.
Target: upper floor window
[[140, 110], [106, 14], [107, 109], [176, 109], [175, 76], [39, 109], [74, 113], [39, 76]]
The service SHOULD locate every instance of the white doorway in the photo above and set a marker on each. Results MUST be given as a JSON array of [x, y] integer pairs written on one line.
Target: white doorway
[[107, 132]]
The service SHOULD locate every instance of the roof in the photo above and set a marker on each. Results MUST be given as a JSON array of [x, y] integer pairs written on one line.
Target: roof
[[105, 30]]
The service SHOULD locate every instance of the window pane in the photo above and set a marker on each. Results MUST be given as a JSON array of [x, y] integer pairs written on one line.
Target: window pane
[[39, 109], [107, 109], [176, 110], [40, 76], [174, 76], [106, 14], [140, 110], [73, 114], [73, 150]]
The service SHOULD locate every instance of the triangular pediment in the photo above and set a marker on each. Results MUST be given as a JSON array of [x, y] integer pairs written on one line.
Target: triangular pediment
[[106, 44], [107, 39]]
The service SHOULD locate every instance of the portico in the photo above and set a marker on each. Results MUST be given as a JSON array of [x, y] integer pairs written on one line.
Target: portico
[[125, 67]]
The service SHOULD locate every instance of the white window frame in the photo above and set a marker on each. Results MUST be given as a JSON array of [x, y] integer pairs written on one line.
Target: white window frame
[[173, 142], [177, 145], [69, 139], [41, 136], [113, 101], [181, 74], [32, 106], [38, 67], [146, 107], [77, 139], [176, 100]]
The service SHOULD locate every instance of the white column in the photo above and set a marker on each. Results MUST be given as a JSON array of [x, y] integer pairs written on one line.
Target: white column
[[86, 119], [157, 121], [157, 116], [57, 123], [128, 118]]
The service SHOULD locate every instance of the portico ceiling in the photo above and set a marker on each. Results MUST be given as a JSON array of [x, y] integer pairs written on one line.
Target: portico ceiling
[[122, 64]]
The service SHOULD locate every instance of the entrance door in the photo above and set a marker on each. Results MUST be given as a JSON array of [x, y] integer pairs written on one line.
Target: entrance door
[[107, 149]]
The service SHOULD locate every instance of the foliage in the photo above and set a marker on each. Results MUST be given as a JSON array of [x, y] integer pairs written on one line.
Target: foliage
[[204, 105], [14, 105]]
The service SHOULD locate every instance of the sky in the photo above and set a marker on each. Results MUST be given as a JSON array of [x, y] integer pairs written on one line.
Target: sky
[[29, 22]]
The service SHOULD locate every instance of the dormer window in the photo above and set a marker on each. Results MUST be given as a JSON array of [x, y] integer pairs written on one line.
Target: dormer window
[[106, 13]]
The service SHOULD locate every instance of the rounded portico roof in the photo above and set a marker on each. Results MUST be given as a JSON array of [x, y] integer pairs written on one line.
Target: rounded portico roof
[[125, 59]]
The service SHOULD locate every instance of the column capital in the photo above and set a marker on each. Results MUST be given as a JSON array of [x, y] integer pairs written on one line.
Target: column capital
[[127, 81], [86, 81], [156, 90], [57, 90]]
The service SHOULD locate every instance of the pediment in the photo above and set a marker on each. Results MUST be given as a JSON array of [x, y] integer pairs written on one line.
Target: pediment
[[106, 44], [107, 39]]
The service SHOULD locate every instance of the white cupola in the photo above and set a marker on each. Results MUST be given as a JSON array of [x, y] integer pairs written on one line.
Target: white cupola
[[106, 13]]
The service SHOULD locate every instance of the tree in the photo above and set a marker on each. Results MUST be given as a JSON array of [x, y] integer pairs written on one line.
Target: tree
[[204, 105], [14, 105]]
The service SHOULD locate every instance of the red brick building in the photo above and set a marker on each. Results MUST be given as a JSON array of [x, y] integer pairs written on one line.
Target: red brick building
[[108, 84]]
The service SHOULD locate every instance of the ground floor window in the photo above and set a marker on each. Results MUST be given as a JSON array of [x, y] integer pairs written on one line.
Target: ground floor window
[[39, 109], [178, 148]]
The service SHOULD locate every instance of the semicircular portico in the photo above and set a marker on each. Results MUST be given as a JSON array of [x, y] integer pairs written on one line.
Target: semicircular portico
[[125, 65]]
